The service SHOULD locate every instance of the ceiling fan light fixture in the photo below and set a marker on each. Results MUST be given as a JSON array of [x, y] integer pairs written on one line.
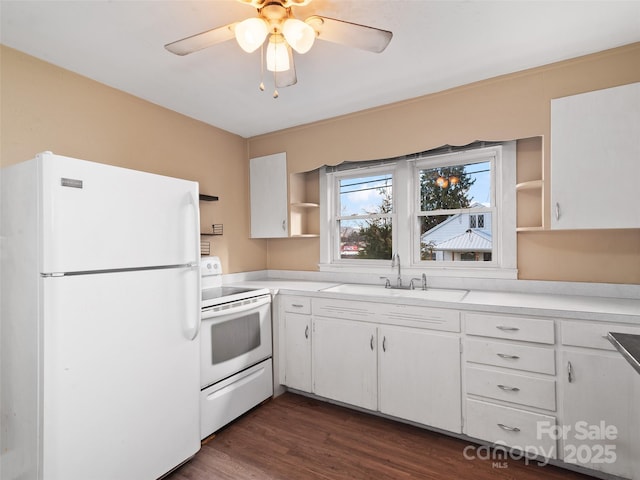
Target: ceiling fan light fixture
[[250, 33], [298, 34], [277, 54]]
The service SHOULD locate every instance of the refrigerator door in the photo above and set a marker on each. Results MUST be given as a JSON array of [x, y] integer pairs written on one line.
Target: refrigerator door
[[101, 217], [120, 374]]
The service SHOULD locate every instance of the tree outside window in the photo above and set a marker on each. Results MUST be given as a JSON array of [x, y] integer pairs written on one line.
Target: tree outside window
[[366, 217]]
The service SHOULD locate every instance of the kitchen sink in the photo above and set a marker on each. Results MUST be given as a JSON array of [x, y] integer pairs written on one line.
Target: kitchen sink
[[438, 294]]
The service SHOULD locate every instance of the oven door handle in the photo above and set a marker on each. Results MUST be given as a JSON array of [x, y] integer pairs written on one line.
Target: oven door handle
[[208, 313]]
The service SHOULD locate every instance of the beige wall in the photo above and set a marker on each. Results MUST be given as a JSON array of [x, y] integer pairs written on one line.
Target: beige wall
[[47, 108], [503, 108]]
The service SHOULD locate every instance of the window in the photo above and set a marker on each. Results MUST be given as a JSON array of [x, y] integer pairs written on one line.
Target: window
[[454, 201], [364, 216], [450, 211]]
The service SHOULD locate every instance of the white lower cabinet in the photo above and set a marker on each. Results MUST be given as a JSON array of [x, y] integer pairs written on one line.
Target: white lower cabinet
[[344, 361], [295, 332], [419, 376], [297, 361], [408, 373], [344, 351], [575, 400], [600, 402]]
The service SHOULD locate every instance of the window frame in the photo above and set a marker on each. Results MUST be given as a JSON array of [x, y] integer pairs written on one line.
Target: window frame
[[336, 217], [484, 155], [405, 227]]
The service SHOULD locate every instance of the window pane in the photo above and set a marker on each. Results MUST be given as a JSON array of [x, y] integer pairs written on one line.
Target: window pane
[[365, 238], [459, 186], [451, 238], [365, 195]]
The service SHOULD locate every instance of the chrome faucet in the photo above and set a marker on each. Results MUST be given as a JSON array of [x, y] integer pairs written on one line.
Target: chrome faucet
[[395, 259]]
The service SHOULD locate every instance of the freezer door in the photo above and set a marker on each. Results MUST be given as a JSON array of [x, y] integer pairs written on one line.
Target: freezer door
[[101, 217], [121, 374]]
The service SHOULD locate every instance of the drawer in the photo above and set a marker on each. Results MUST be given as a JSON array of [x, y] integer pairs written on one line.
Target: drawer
[[295, 304], [510, 426], [511, 355], [511, 327], [592, 335], [510, 387]]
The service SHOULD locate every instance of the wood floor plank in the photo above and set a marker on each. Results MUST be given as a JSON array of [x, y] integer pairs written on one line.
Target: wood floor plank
[[295, 437]]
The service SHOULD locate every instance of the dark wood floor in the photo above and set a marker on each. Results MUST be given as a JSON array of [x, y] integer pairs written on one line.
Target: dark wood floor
[[295, 437]]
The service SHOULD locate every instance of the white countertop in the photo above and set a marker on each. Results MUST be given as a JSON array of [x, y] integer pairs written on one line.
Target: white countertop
[[276, 285], [558, 306]]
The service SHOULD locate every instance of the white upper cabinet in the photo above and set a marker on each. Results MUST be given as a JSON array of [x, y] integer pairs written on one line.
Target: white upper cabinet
[[268, 185], [595, 159]]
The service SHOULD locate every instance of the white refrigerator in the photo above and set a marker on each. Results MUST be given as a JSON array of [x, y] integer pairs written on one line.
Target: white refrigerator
[[100, 305]]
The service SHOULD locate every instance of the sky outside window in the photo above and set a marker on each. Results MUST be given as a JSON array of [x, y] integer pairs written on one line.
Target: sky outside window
[[363, 195]]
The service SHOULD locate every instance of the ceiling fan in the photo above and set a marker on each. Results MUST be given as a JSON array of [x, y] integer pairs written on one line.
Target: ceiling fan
[[285, 33]]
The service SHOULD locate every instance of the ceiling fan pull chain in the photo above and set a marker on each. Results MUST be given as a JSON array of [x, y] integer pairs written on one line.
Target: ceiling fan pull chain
[[261, 86], [275, 88]]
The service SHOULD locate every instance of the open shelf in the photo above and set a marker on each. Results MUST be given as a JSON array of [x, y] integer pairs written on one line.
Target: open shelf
[[530, 185], [529, 229], [208, 198], [304, 206]]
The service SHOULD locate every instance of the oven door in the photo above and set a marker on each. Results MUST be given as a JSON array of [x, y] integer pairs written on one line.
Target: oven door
[[234, 339]]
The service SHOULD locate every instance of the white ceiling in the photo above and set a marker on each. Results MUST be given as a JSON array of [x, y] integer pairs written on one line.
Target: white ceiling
[[436, 45]]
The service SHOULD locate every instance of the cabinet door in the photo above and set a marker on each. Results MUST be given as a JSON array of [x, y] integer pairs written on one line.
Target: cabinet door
[[268, 184], [297, 335], [344, 361], [595, 146], [599, 393], [420, 376]]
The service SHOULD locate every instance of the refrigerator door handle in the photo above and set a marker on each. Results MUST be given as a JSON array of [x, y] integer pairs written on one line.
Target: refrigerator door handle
[[193, 202], [194, 330]]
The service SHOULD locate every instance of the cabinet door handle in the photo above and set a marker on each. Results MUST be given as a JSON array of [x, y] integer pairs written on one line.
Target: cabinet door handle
[[557, 211], [506, 355], [297, 305], [569, 372], [384, 344], [284, 225], [306, 332], [504, 328], [508, 389], [371, 343], [508, 428]]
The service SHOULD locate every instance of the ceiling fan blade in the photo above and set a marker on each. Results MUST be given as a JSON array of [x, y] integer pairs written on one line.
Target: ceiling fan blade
[[351, 34], [202, 40], [287, 78]]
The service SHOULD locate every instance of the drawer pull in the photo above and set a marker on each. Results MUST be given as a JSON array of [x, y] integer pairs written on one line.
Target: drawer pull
[[306, 332], [508, 428], [506, 355], [507, 329], [508, 389], [297, 305]]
